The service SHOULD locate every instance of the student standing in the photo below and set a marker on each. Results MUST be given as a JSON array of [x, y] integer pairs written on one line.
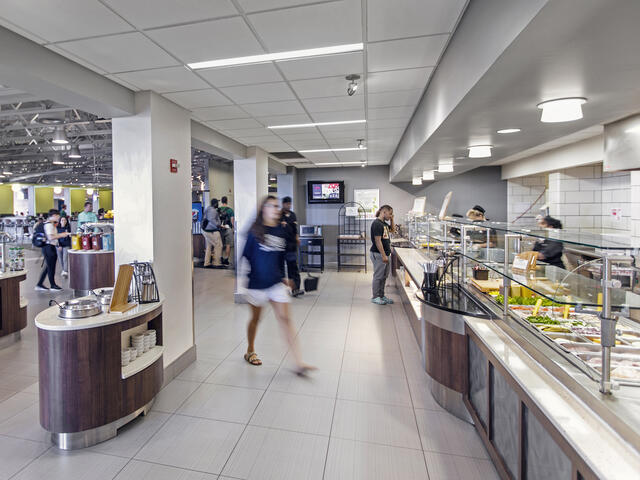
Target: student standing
[[49, 252], [64, 243], [87, 215], [211, 233], [228, 223], [265, 250], [380, 252], [289, 222]]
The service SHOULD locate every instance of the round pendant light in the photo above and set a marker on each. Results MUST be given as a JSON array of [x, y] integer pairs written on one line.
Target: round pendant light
[[60, 136], [480, 151], [561, 110]]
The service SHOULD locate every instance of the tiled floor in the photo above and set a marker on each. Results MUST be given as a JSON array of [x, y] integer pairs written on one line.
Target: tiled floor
[[365, 414]]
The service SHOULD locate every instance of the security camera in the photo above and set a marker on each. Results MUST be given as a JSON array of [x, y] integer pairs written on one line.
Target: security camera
[[352, 88]]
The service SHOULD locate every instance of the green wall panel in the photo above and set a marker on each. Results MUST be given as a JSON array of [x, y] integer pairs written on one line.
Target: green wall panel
[[44, 199], [6, 199]]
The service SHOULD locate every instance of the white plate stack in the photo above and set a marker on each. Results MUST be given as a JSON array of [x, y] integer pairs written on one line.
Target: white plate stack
[[133, 354], [138, 342], [150, 339], [125, 357]]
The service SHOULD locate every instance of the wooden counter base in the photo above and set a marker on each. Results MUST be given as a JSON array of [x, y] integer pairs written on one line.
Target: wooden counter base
[[91, 270], [13, 314]]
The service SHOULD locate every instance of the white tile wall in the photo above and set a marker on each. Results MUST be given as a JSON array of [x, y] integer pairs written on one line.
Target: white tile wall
[[524, 192]]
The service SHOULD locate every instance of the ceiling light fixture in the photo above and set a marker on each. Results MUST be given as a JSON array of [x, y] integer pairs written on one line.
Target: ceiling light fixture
[[561, 110], [57, 159], [57, 190], [89, 191], [16, 187], [635, 129], [317, 124], [60, 136], [361, 144], [74, 152], [509, 130], [319, 150], [428, 175], [337, 163], [417, 181], [479, 151], [274, 57], [445, 168], [352, 88], [7, 173]]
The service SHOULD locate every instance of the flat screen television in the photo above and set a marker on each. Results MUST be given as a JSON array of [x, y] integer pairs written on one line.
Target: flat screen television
[[323, 191]]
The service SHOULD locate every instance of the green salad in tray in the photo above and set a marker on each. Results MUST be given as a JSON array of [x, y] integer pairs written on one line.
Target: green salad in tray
[[526, 301]]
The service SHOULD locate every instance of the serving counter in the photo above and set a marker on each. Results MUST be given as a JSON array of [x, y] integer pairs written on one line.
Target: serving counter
[[13, 307], [90, 269], [85, 392]]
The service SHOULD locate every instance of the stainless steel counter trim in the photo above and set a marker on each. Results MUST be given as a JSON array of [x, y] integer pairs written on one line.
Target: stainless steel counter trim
[[450, 400]]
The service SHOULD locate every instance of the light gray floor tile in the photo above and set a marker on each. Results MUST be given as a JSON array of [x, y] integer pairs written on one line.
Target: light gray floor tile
[[263, 453], [239, 373], [375, 423], [16, 454], [138, 470], [15, 404], [4, 394], [422, 398], [351, 460], [34, 388], [173, 395], [78, 465], [193, 443], [441, 432], [271, 351], [317, 339], [222, 402], [26, 425], [299, 413], [322, 359], [389, 365], [319, 382], [454, 467], [16, 382], [199, 370], [374, 388], [371, 342], [133, 436]]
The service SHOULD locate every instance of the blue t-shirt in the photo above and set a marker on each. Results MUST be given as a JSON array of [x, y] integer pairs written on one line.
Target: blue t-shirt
[[266, 258]]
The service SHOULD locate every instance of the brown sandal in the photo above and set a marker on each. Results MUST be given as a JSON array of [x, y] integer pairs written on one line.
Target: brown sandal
[[252, 358]]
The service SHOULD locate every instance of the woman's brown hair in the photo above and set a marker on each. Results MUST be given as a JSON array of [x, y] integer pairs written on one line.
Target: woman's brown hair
[[257, 228]]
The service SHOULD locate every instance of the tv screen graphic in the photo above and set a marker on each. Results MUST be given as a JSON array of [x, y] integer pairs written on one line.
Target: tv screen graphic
[[325, 191]]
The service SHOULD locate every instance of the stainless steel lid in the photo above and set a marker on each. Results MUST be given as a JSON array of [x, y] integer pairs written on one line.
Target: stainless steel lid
[[79, 304]]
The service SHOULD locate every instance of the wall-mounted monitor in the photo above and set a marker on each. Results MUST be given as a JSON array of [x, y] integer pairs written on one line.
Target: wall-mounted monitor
[[322, 191]]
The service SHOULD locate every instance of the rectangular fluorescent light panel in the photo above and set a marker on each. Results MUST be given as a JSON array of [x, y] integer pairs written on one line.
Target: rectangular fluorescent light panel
[[333, 150], [274, 57], [317, 124], [337, 163], [445, 168]]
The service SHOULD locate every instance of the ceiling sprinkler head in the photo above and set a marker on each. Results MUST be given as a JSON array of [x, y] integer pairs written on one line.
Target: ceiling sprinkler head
[[352, 88]]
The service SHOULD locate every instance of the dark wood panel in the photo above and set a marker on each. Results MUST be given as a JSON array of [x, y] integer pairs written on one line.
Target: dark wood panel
[[199, 245], [12, 317], [91, 270], [447, 357], [81, 385]]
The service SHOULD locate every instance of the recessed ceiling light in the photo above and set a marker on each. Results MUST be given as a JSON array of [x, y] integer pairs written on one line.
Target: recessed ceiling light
[[445, 168], [274, 57], [561, 110], [317, 124], [319, 150], [509, 130], [479, 151], [428, 175], [635, 129], [417, 181]]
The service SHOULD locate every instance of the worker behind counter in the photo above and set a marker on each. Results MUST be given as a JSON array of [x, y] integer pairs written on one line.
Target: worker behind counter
[[550, 251], [479, 237]]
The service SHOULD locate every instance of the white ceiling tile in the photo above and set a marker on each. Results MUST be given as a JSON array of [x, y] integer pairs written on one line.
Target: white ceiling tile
[[212, 40], [322, 87], [251, 132], [316, 67], [289, 107], [411, 18], [321, 157], [354, 131], [394, 99], [265, 92], [410, 53], [259, 140], [388, 123], [59, 20], [242, 75], [122, 82], [334, 104], [352, 156], [164, 80], [120, 53], [221, 113], [21, 31], [312, 26], [391, 112], [308, 144], [75, 58], [415, 78], [338, 116], [259, 5], [235, 124], [311, 135], [170, 12], [199, 98], [284, 119]]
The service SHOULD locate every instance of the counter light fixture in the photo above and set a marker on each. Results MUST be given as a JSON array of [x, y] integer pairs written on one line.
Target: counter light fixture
[[480, 151], [74, 152], [561, 110], [60, 136], [317, 124], [509, 130], [445, 168], [417, 181], [428, 175], [319, 150], [279, 56]]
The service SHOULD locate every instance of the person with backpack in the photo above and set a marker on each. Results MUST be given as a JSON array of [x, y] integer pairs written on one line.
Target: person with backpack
[[45, 236], [227, 220], [211, 233], [64, 244]]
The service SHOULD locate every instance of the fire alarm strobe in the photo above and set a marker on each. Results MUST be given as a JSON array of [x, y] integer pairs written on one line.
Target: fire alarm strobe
[[173, 165]]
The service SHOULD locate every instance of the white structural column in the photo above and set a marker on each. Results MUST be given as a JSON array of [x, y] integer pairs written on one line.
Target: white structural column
[[153, 207], [250, 186]]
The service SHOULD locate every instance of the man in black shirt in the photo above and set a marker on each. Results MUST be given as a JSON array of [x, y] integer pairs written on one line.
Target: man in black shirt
[[290, 224], [380, 251]]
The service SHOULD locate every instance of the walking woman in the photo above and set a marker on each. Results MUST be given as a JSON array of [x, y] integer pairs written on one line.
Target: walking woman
[[64, 243], [265, 250]]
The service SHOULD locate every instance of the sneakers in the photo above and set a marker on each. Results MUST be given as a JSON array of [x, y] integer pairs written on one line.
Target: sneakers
[[65, 274], [378, 301], [55, 288], [297, 292], [40, 288], [387, 300], [225, 261]]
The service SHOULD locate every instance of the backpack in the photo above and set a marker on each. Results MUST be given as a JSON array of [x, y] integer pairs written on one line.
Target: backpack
[[225, 219], [39, 238]]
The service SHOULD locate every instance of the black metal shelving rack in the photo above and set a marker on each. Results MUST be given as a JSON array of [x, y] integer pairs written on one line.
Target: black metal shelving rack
[[352, 236]]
